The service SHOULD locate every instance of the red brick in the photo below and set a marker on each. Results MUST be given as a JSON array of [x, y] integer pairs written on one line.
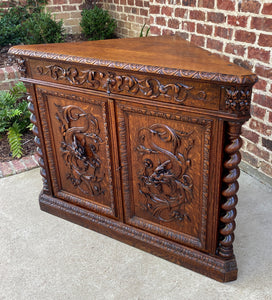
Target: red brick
[[18, 166], [173, 23], [197, 15], [216, 17], [240, 21], [263, 71], [223, 32], [250, 135], [235, 49], [226, 4], [154, 9], [257, 151], [258, 112], [6, 169], [264, 24], [260, 127], [29, 162], [54, 8], [206, 3], [146, 3], [155, 30], [189, 3], [130, 2], [75, 1], [167, 32], [188, 26], [59, 1], [214, 44], [267, 9], [270, 117], [69, 7], [259, 54], [263, 100], [166, 10], [160, 21], [243, 63], [123, 2], [245, 36], [183, 35], [267, 144], [127, 9], [252, 6], [180, 12], [139, 3], [198, 40], [261, 85], [249, 158], [204, 29], [265, 40], [120, 8], [2, 74], [143, 12], [266, 168]]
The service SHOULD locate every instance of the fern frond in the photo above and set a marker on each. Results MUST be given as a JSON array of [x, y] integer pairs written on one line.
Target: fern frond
[[14, 139]]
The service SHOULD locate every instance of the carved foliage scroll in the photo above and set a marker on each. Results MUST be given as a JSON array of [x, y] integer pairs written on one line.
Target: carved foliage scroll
[[116, 83], [166, 185], [80, 148]]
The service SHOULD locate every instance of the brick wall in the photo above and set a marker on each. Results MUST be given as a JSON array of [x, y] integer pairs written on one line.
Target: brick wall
[[69, 11], [8, 77], [131, 15], [240, 31]]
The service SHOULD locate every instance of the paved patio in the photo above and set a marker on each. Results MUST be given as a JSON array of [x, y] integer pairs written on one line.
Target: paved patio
[[44, 257]]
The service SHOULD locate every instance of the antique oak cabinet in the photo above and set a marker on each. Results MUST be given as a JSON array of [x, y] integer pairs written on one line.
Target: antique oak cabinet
[[139, 139]]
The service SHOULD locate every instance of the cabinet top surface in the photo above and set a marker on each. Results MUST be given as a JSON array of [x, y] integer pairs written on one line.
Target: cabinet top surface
[[169, 55]]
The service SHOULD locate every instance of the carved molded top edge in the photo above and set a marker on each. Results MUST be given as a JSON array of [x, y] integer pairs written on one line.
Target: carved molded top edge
[[189, 74]]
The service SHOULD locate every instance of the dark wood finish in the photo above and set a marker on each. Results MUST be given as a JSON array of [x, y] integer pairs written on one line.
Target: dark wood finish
[[139, 139]]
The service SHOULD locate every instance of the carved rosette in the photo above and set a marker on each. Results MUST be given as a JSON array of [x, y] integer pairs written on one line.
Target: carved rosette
[[229, 197], [238, 100], [164, 180], [38, 144]]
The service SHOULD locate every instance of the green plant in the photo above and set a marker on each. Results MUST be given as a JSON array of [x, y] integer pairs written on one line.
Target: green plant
[[14, 116], [97, 24], [41, 28], [142, 31], [29, 24]]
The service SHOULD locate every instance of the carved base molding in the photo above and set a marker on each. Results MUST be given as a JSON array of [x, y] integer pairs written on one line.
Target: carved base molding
[[222, 270]]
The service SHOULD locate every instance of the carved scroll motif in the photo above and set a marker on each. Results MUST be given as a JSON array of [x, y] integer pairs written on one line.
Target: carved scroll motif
[[238, 100], [230, 198], [164, 180], [73, 75], [114, 83], [80, 147], [153, 88]]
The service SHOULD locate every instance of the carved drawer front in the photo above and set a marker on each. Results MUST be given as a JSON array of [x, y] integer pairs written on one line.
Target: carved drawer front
[[75, 128], [166, 170], [157, 88]]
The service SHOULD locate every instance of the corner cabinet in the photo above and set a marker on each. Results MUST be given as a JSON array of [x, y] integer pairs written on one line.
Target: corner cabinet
[[141, 147]]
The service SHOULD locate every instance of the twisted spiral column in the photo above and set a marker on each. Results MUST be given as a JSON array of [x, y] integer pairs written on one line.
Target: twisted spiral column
[[230, 199], [37, 140]]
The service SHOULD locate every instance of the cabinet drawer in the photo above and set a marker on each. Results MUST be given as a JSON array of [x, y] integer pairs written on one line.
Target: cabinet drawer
[[156, 88], [165, 156]]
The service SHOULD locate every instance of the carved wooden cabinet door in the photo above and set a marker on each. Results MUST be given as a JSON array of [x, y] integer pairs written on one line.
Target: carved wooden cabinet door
[[77, 140], [166, 191]]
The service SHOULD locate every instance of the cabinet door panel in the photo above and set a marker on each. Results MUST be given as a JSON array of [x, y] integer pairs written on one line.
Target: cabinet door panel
[[165, 169], [77, 144]]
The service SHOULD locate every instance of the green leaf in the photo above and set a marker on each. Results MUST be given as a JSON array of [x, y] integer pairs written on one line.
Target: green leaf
[[14, 139]]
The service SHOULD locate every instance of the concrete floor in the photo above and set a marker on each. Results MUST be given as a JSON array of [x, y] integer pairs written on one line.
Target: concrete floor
[[44, 257]]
